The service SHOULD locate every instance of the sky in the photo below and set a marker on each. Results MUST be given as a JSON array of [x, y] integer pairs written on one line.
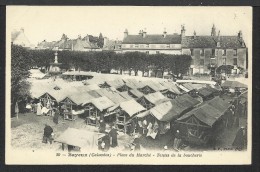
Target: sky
[[49, 23]]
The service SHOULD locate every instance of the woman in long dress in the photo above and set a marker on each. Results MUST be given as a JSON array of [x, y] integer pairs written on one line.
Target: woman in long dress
[[39, 108]]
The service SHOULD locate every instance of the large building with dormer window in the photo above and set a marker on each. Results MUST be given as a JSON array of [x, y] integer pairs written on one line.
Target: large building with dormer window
[[207, 52]]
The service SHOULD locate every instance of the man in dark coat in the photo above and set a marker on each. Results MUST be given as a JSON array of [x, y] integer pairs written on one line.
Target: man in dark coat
[[47, 135], [240, 139], [113, 134], [56, 116]]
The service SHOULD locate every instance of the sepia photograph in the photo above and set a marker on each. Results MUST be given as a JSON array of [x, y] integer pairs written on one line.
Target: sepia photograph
[[128, 85]]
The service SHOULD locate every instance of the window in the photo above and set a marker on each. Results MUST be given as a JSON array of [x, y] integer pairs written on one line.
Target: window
[[235, 61], [213, 53], [202, 62], [168, 46], [157, 52], [235, 52], [147, 52], [224, 61], [141, 45], [224, 52], [147, 45], [191, 52], [136, 45], [202, 52]]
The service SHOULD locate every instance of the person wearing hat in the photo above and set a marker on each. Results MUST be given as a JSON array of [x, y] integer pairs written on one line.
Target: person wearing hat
[[113, 134]]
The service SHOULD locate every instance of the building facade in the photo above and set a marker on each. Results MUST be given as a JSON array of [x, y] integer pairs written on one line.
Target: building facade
[[19, 38], [207, 52]]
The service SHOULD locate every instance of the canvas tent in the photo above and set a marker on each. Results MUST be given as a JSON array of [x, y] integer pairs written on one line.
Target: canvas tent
[[150, 100], [96, 109], [200, 124], [124, 112], [79, 138]]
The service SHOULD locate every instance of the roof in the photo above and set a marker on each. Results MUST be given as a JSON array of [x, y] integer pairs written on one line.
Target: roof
[[19, 38], [143, 114], [112, 95], [219, 104], [233, 84], [187, 100], [82, 73], [80, 138], [211, 42], [166, 111], [155, 98], [136, 93], [155, 86], [125, 95], [115, 83], [102, 103], [131, 107], [36, 73], [171, 86], [191, 86], [205, 92], [81, 98], [152, 39]]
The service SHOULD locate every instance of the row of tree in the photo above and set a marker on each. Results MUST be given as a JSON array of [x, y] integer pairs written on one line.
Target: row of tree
[[108, 60]]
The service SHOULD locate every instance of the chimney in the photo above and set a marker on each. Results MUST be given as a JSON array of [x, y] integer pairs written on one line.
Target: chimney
[[194, 35], [183, 31], [140, 32], [144, 33], [125, 33], [213, 30], [87, 38], [218, 39], [22, 30], [240, 35], [164, 33]]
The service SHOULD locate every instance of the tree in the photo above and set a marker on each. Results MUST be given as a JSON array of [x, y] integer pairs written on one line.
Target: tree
[[21, 62], [100, 41]]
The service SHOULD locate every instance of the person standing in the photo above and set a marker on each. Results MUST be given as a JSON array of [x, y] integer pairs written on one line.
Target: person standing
[[56, 116], [113, 134], [47, 134], [136, 142], [39, 108], [102, 126]]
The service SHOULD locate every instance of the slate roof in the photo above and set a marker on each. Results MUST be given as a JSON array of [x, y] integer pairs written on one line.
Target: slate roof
[[152, 39], [211, 42]]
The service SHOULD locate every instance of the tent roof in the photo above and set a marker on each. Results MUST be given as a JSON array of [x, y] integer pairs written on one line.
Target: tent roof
[[168, 110], [143, 114], [205, 92], [171, 87], [155, 98], [206, 113], [131, 107], [125, 95], [233, 84], [102, 103], [77, 137], [136, 92]]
